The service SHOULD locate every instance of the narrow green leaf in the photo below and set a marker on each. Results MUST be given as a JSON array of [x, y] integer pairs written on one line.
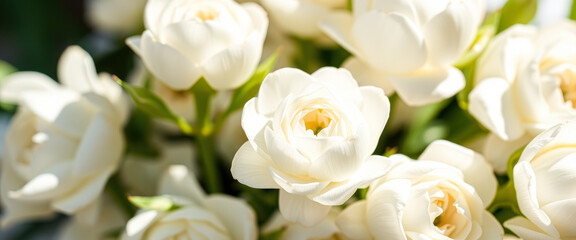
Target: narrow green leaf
[[151, 104], [573, 10], [517, 12], [5, 70], [462, 96], [158, 203]]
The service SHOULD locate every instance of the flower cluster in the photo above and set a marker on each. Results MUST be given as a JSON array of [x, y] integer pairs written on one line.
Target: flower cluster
[[297, 119]]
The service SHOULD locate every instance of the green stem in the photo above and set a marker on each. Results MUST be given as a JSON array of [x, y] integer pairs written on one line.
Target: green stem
[[204, 139], [505, 197], [118, 193], [210, 166]]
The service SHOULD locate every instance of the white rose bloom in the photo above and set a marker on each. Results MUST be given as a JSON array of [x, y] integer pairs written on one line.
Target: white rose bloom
[[525, 83], [311, 136], [64, 141], [199, 216], [117, 17], [108, 220], [184, 40], [301, 17], [443, 195], [544, 179], [325, 230], [407, 46]]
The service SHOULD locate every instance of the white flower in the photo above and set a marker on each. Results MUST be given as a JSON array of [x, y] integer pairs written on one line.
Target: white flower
[[544, 179], [219, 40], [64, 141], [525, 83], [440, 196], [407, 46], [301, 17], [311, 136], [325, 230], [117, 17], [199, 216], [108, 219], [140, 174]]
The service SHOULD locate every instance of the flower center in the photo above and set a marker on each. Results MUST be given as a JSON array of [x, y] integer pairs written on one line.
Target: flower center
[[446, 210], [206, 14], [316, 120], [568, 85]]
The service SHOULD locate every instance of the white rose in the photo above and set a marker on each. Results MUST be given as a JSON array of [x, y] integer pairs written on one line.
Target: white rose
[[311, 136], [525, 83], [108, 219], [325, 230], [64, 141], [544, 179], [199, 216], [140, 174], [117, 17], [301, 17], [407, 46], [440, 196], [184, 40]]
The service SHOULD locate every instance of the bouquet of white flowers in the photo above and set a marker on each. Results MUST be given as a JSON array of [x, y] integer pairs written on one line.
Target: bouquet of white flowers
[[297, 119]]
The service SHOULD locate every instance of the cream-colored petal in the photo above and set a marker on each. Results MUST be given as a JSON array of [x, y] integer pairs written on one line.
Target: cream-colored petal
[[477, 172], [353, 221], [242, 225], [76, 70], [425, 87], [526, 229], [300, 209], [15, 84], [367, 75], [175, 69], [250, 169]]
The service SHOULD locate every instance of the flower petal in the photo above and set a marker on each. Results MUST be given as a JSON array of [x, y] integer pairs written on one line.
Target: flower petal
[[385, 214], [491, 228], [233, 66], [376, 110], [243, 225], [338, 26], [389, 42], [100, 148], [86, 192], [353, 221], [15, 84], [250, 169], [300, 209], [278, 85], [525, 184], [297, 185], [137, 226], [367, 75], [526, 229], [427, 87], [177, 180], [338, 192], [254, 124], [76, 70], [492, 103], [449, 33], [199, 41], [285, 155], [477, 172], [175, 69]]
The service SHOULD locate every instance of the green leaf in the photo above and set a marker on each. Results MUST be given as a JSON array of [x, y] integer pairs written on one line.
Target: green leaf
[[483, 37], [573, 10], [158, 203], [5, 70], [249, 89], [517, 12], [151, 104], [274, 235]]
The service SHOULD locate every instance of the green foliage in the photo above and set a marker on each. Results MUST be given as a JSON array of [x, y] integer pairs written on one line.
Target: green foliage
[[5, 70], [157, 203], [517, 12], [151, 104], [573, 11]]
